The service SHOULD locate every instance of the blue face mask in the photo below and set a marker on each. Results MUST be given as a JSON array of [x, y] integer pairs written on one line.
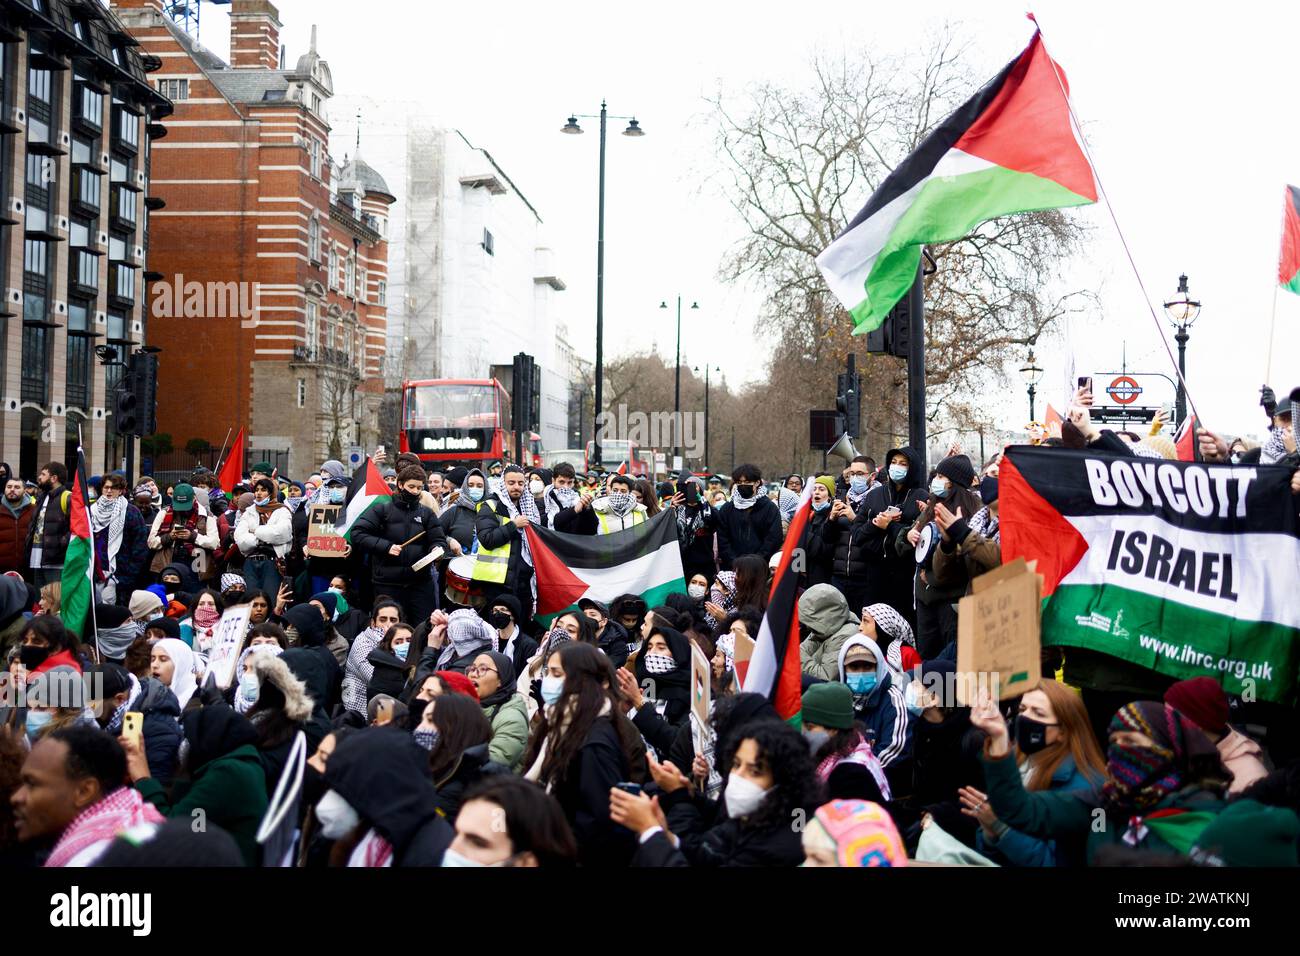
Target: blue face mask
[[337, 495], [821, 507], [401, 650], [552, 688], [858, 482], [898, 473], [861, 683], [939, 487], [248, 687], [474, 494], [37, 720]]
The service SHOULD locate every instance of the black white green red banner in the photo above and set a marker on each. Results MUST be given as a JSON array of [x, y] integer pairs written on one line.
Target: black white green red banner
[[643, 560], [1185, 568]]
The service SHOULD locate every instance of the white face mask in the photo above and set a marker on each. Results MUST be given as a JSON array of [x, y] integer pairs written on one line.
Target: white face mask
[[535, 487], [742, 796], [451, 858], [697, 591], [336, 816]]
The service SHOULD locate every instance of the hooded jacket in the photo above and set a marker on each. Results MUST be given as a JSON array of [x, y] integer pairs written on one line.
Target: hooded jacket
[[228, 783], [383, 774], [753, 530], [161, 728], [254, 536], [283, 690], [316, 675], [189, 580], [15, 527], [884, 712], [825, 612], [507, 711], [868, 554], [458, 519], [474, 765], [396, 522], [524, 646]]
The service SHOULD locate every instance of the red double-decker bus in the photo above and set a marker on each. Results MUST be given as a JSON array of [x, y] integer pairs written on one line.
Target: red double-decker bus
[[461, 421]]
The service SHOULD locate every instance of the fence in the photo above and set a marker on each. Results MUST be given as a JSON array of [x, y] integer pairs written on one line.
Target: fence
[[176, 466]]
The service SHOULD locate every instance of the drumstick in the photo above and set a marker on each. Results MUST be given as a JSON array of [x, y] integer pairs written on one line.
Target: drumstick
[[410, 539]]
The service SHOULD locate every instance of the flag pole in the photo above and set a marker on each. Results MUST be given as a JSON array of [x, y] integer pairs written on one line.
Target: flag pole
[[90, 530], [1115, 220], [222, 457]]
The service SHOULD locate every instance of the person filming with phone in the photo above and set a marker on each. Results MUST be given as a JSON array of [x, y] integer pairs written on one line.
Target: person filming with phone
[[889, 509]]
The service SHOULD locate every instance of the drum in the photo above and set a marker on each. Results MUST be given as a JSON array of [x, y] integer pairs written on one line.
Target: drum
[[461, 588]]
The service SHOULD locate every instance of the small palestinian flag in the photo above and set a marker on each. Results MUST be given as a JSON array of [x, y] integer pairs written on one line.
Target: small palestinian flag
[[1185, 441], [79, 560], [232, 470], [367, 490], [774, 670], [1288, 269], [643, 560], [1010, 148]]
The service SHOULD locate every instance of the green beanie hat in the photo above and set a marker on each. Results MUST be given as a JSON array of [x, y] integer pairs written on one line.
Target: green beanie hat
[[1248, 833], [829, 704], [828, 482]]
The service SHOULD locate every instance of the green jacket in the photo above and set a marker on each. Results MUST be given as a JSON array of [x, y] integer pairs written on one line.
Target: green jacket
[[229, 792], [509, 732], [1076, 820], [823, 609]]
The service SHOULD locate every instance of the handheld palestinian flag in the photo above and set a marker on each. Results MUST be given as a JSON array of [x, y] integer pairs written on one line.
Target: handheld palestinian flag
[[232, 470], [1288, 268], [1185, 439], [79, 560], [367, 490], [643, 560], [1010, 148], [1184, 568], [775, 670]]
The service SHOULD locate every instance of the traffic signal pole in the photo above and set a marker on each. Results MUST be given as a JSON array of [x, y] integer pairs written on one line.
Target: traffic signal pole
[[916, 367]]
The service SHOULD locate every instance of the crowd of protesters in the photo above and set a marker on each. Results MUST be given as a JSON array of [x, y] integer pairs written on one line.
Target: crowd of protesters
[[435, 707]]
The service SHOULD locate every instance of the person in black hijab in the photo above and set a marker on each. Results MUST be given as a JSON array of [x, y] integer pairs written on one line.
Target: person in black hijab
[[662, 692]]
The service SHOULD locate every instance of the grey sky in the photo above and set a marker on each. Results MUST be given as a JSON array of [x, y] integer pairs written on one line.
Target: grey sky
[[1189, 110]]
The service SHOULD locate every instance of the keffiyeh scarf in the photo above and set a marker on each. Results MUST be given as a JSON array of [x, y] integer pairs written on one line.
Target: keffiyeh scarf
[[742, 503], [986, 524], [114, 727], [466, 633], [1274, 449], [527, 507], [111, 515], [896, 632], [788, 503], [99, 824]]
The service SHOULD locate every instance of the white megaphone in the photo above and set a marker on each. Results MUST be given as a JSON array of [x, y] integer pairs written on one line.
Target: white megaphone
[[844, 448]]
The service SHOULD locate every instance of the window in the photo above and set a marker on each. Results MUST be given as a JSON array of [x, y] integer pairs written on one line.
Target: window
[[350, 275], [117, 326], [126, 128], [302, 393], [36, 280], [174, 89], [117, 244], [334, 268], [313, 240], [85, 190], [79, 29], [315, 158], [80, 342], [79, 233], [489, 243], [83, 152], [84, 267], [121, 282], [117, 55], [40, 97], [121, 170], [363, 293], [88, 106], [381, 292], [313, 330], [124, 207]]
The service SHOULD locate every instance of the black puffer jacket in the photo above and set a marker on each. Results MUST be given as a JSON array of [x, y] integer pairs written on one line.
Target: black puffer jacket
[[889, 574], [458, 520], [472, 767], [161, 728], [724, 843], [753, 530], [493, 534], [396, 522], [384, 775], [819, 551]]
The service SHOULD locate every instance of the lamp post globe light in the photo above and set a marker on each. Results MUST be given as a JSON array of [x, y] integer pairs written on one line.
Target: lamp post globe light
[[1182, 311], [572, 128], [1032, 375]]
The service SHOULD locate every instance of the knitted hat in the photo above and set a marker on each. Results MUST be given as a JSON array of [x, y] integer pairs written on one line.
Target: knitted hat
[[864, 833], [456, 476], [333, 469], [1202, 701], [229, 581], [144, 605], [957, 469], [1248, 833], [829, 704], [457, 683], [167, 625]]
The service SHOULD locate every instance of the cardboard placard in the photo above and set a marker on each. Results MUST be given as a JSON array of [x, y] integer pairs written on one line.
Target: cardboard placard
[[998, 636], [744, 651], [323, 539], [227, 642]]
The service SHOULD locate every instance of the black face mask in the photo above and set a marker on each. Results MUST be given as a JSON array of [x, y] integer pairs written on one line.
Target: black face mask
[[746, 491], [408, 497], [32, 656], [1031, 735], [501, 620], [313, 785]]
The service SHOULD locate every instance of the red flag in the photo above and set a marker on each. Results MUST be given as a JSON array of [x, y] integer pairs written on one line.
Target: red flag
[[1052, 416], [1186, 442], [622, 469], [232, 471]]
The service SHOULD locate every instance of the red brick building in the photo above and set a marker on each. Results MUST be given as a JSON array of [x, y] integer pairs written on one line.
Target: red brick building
[[269, 262]]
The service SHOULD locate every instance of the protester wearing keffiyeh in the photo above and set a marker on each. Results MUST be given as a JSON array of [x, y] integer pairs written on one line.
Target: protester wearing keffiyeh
[[467, 634], [107, 520], [89, 834], [525, 506]]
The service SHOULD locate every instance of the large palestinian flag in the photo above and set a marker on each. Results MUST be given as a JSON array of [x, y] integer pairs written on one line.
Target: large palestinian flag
[[643, 560], [368, 489], [1010, 148], [774, 670], [77, 579], [1288, 268], [1185, 568]]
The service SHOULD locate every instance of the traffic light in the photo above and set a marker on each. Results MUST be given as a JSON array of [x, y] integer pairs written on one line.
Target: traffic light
[[894, 336], [525, 402], [848, 401], [146, 391], [126, 408]]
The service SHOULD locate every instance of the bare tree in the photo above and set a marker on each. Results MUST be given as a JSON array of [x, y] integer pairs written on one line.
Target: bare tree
[[800, 163]]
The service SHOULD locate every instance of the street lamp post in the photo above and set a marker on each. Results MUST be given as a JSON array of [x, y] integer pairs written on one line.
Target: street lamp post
[[1182, 311], [706, 410], [1032, 375], [677, 379], [633, 129]]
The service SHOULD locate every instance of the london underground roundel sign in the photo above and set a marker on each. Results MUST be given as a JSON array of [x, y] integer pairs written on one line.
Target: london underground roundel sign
[[1124, 390]]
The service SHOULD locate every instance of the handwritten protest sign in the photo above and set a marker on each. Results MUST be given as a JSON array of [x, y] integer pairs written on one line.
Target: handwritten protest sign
[[998, 633], [323, 538], [744, 651], [701, 671], [227, 643]]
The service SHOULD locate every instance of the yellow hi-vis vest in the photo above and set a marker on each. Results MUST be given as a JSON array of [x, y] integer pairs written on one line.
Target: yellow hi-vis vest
[[637, 518], [491, 564]]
